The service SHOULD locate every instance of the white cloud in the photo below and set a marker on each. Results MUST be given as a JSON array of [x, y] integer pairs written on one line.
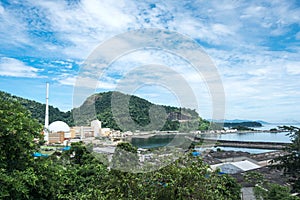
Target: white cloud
[[12, 30], [86, 24], [15, 68], [83, 25], [293, 68], [221, 29], [86, 82], [80, 27], [260, 83]]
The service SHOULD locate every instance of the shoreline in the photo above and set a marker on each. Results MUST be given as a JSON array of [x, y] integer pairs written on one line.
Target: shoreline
[[145, 135]]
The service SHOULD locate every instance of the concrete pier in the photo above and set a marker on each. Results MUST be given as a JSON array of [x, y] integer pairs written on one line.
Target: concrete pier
[[248, 144]]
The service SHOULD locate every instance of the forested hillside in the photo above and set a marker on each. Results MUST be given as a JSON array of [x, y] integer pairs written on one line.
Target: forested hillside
[[99, 106], [37, 110], [139, 112]]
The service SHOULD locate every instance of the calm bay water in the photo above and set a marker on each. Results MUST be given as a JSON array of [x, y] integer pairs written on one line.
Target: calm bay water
[[164, 140], [153, 142], [253, 137]]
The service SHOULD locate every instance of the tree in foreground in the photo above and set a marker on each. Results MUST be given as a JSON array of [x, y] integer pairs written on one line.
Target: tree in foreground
[[290, 163], [77, 174], [272, 191], [264, 190], [186, 178], [17, 133]]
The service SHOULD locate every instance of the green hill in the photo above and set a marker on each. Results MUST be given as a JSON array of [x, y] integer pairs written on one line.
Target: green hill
[[38, 110], [99, 106], [138, 108]]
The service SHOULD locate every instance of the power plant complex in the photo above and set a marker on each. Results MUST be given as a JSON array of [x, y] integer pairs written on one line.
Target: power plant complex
[[59, 132]]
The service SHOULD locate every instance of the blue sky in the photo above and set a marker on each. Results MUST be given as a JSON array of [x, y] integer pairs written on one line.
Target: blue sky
[[255, 46]]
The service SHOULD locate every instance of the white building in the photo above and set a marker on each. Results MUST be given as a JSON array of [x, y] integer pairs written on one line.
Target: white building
[[58, 132], [94, 130], [96, 127], [235, 167]]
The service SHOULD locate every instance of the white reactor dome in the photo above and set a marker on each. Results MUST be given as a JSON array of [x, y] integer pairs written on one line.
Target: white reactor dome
[[59, 126]]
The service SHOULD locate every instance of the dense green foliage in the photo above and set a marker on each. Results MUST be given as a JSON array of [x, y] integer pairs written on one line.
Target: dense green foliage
[[17, 131], [37, 110], [290, 162], [273, 192], [204, 125], [78, 174], [125, 156], [100, 104], [264, 190]]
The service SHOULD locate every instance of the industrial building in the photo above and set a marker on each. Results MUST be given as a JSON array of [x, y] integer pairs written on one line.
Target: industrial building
[[59, 131]]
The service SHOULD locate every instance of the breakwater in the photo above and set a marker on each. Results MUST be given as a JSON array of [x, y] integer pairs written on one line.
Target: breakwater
[[248, 144]]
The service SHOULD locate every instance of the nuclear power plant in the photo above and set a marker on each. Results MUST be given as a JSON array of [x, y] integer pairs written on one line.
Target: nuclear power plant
[[59, 132]]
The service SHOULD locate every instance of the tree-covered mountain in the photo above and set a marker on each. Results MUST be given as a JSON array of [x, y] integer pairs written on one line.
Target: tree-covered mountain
[[99, 106], [37, 110]]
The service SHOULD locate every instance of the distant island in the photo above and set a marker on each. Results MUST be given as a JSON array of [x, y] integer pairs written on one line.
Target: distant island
[[245, 124]]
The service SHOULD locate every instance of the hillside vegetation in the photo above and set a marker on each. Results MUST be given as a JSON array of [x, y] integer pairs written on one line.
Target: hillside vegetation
[[99, 106], [37, 109]]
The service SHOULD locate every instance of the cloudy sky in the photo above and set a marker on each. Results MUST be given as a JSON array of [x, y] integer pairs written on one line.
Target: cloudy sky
[[255, 46]]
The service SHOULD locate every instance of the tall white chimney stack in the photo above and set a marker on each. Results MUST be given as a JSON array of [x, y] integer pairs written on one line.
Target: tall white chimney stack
[[46, 134]]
